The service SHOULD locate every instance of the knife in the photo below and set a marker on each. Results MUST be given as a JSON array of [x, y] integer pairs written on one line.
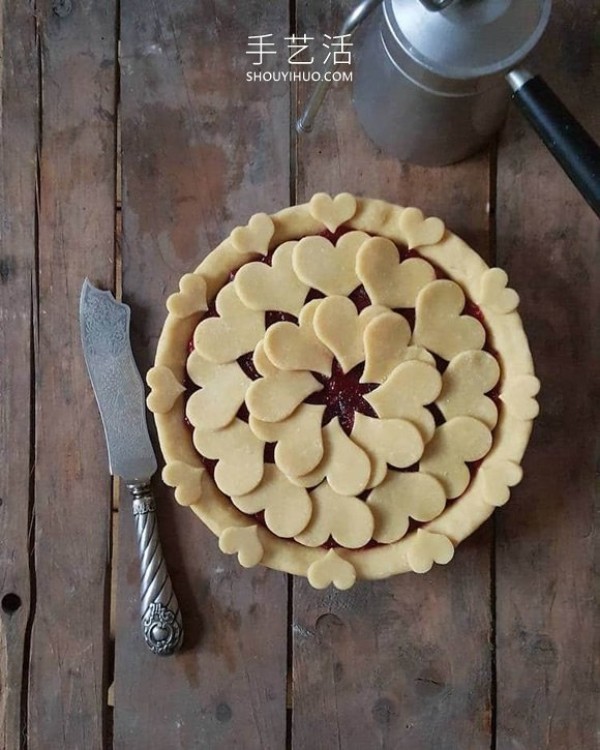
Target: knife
[[119, 392]]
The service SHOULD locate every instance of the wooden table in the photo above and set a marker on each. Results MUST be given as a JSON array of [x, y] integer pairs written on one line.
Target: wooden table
[[127, 168]]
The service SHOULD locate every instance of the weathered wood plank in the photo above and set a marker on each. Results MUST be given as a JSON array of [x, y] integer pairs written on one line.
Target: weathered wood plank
[[18, 144], [67, 670], [548, 572], [202, 150], [404, 663]]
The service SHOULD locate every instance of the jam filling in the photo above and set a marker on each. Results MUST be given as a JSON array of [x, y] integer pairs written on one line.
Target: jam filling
[[343, 393]]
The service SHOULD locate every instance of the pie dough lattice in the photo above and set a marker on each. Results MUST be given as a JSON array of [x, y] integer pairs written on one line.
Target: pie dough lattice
[[358, 396]]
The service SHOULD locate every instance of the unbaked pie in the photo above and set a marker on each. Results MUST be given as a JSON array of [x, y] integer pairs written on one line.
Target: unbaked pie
[[343, 390]]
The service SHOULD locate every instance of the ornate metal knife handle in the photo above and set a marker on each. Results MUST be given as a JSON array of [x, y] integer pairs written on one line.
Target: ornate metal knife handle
[[161, 617]]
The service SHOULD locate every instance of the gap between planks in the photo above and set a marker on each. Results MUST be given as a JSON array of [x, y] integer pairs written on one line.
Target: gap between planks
[[33, 358]]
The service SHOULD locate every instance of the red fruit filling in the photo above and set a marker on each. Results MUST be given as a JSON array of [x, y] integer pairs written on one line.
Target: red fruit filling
[[343, 395]]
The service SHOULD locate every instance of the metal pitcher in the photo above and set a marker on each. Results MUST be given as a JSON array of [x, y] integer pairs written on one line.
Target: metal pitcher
[[430, 82]]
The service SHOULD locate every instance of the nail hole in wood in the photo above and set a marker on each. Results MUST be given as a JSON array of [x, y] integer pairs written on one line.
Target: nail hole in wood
[[11, 603], [223, 712], [62, 8]]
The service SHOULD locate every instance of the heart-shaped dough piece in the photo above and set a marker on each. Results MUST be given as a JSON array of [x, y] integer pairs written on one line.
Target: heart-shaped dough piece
[[418, 230], [274, 287], [274, 398], [287, 507], [405, 393], [387, 281], [262, 364], [347, 520], [328, 268], [191, 297], [332, 212], [245, 541], [454, 444], [341, 328], [385, 342], [494, 293], [236, 331], [345, 464], [439, 325], [187, 480], [427, 548], [498, 476], [297, 347], [223, 390], [239, 454], [255, 236], [331, 568], [200, 371], [299, 440], [519, 394], [466, 380], [165, 389], [386, 441], [400, 497]]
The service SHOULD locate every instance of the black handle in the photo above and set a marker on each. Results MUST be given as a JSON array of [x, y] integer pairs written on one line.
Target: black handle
[[570, 144]]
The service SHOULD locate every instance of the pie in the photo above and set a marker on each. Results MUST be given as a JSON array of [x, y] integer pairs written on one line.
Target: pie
[[343, 390]]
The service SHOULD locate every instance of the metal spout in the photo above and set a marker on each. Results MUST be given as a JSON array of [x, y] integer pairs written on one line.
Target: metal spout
[[353, 20]]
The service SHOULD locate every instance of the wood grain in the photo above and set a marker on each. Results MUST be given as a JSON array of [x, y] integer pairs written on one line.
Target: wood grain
[[548, 555], [406, 664], [67, 690], [18, 145], [202, 150], [403, 663]]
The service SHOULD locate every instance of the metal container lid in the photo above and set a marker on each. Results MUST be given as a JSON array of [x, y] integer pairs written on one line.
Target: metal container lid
[[470, 38]]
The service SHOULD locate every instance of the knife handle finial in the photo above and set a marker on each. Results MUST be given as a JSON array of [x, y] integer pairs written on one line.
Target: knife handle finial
[[161, 617]]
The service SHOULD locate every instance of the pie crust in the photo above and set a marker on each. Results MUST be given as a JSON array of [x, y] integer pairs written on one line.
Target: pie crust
[[446, 392]]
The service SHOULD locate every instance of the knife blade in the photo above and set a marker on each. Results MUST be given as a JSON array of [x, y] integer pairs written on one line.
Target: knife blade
[[119, 392]]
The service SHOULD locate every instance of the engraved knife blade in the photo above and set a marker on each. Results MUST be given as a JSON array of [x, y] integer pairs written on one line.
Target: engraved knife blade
[[117, 383], [119, 392]]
